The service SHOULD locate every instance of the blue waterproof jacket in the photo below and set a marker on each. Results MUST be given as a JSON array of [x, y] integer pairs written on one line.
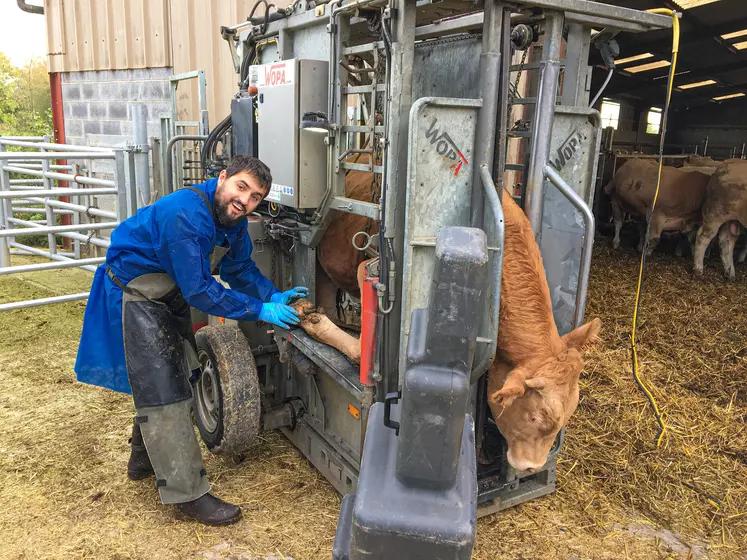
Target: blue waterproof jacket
[[174, 235]]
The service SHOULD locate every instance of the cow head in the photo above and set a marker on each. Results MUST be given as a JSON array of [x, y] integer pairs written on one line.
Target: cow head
[[537, 399]]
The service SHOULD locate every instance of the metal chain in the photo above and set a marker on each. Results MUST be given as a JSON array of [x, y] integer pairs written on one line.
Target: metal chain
[[513, 94]]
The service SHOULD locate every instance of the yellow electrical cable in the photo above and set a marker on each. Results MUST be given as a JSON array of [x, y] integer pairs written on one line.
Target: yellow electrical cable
[[636, 374]]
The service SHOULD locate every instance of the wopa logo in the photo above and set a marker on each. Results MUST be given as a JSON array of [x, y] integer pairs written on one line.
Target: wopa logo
[[275, 75], [567, 150], [445, 146]]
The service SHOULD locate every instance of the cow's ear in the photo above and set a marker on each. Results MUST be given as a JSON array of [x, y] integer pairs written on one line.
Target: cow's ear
[[513, 387], [583, 334], [537, 383]]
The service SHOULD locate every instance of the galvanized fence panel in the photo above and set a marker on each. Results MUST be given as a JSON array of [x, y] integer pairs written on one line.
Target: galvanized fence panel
[[34, 189]]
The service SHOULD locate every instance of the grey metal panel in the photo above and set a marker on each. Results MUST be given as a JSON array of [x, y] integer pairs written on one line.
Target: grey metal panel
[[296, 157], [574, 150], [447, 69], [312, 165], [439, 191], [339, 472], [597, 9], [303, 262], [311, 42], [277, 118]]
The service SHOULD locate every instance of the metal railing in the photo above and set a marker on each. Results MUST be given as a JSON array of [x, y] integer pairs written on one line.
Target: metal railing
[[28, 189]]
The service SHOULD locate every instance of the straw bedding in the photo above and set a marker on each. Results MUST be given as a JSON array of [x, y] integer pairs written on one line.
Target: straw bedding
[[63, 446]]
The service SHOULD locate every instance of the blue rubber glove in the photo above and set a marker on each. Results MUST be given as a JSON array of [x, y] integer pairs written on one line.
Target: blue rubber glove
[[291, 295], [279, 314]]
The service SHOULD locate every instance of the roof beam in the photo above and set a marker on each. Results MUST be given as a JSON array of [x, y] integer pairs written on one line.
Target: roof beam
[[693, 33], [707, 71], [696, 33]]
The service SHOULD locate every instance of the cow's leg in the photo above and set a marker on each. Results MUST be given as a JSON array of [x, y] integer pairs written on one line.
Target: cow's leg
[[727, 238], [641, 235], [682, 242], [617, 216], [318, 326], [742, 254], [691, 240], [654, 235], [706, 233]]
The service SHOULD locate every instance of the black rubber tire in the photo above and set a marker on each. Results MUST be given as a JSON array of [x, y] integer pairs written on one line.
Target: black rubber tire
[[227, 405]]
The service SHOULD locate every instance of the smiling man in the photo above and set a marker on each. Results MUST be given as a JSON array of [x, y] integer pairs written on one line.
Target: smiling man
[[137, 334]]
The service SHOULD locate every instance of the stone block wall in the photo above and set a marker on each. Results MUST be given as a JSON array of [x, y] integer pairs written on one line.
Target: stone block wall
[[99, 103], [98, 108]]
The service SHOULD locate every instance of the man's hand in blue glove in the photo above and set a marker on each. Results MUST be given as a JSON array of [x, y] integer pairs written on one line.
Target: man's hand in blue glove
[[291, 295], [279, 314]]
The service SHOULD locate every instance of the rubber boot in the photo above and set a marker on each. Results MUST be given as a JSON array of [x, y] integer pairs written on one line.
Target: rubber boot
[[138, 467], [210, 510]]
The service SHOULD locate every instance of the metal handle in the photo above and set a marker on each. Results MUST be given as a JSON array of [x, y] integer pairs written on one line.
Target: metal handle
[[583, 273], [168, 163], [497, 272], [388, 400]]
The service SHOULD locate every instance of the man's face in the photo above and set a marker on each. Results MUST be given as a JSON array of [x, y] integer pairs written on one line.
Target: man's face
[[236, 197]]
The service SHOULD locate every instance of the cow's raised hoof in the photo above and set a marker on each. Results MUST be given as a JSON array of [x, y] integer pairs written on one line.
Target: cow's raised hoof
[[615, 243]]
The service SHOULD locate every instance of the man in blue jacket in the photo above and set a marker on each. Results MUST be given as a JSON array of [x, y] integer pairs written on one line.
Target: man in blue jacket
[[137, 334]]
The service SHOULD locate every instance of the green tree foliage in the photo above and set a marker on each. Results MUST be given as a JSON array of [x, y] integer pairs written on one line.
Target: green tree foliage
[[8, 104], [25, 105]]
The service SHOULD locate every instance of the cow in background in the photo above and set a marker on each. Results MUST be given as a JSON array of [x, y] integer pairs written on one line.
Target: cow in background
[[678, 207], [725, 208], [533, 384]]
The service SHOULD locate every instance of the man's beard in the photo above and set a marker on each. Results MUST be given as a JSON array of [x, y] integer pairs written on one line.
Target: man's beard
[[223, 217]]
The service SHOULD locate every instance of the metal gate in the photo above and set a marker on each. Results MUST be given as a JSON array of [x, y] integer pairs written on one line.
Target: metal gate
[[56, 181]]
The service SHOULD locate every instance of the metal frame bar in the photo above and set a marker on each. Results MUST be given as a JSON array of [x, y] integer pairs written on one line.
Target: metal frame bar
[[51, 265], [540, 147], [42, 301], [169, 172], [54, 192], [8, 141], [598, 10], [34, 229], [176, 127], [583, 273], [496, 208], [40, 253]]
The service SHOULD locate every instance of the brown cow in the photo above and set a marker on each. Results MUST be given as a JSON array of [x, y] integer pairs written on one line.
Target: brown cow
[[694, 160], [533, 385], [336, 254], [724, 209], [678, 206]]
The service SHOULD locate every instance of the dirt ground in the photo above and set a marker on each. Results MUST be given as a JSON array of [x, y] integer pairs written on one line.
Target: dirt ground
[[63, 445]]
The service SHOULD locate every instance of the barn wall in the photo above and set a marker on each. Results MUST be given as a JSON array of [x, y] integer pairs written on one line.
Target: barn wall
[[135, 43], [87, 35], [98, 104], [198, 45]]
